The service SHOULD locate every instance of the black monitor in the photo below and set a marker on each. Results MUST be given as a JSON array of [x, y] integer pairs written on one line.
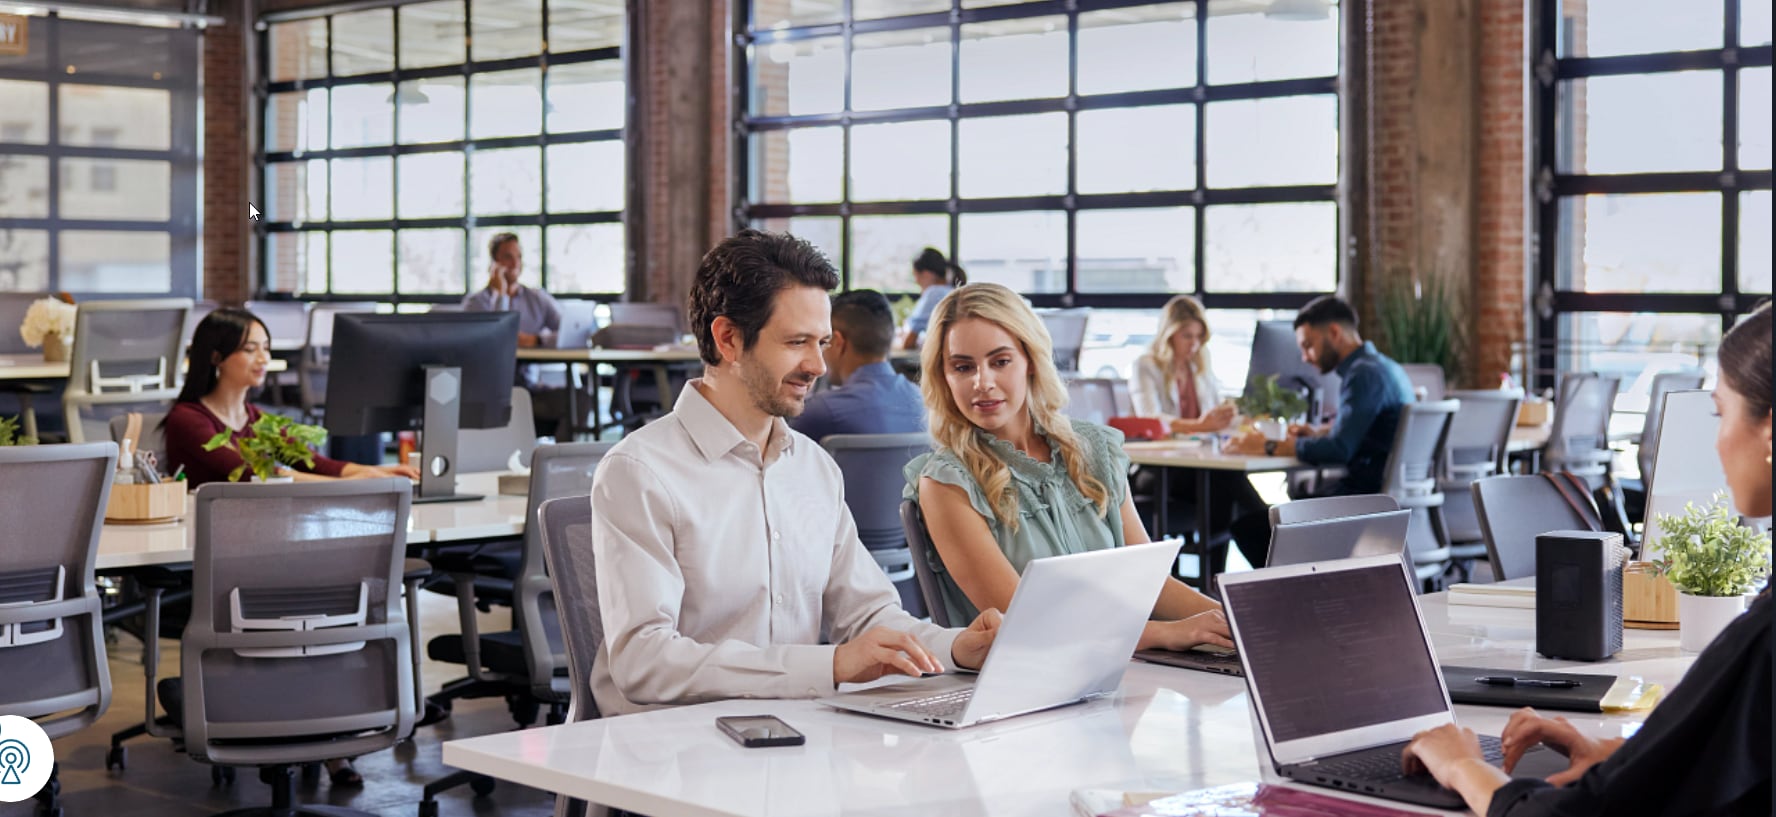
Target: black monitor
[[436, 372], [1274, 351]]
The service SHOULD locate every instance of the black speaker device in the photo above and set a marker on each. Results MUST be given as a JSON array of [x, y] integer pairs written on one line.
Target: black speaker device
[[1579, 594]]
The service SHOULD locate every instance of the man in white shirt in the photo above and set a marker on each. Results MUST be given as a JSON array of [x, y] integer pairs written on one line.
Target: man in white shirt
[[726, 555]]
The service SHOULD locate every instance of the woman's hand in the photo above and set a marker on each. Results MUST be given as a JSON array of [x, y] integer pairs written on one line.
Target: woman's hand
[[1207, 627], [1219, 417], [359, 471], [1527, 728], [1440, 751]]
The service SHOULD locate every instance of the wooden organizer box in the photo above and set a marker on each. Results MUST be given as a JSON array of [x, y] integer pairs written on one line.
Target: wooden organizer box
[[1649, 602], [146, 503]]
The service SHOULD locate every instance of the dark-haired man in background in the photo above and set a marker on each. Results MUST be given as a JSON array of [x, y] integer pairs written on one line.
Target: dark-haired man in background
[[867, 396], [725, 553]]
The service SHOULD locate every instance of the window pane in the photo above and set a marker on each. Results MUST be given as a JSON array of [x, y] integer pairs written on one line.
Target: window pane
[[1024, 251], [130, 51], [1137, 49], [98, 116], [1754, 119], [298, 49], [1252, 44], [883, 249], [1754, 23], [900, 69], [505, 181], [432, 34], [586, 177], [430, 261], [1607, 27], [1014, 59], [296, 191], [361, 42], [127, 190], [1291, 140], [1640, 243], [586, 257], [296, 262], [585, 96], [1014, 155], [797, 166], [363, 115], [806, 76], [24, 112], [363, 261], [115, 261], [430, 110], [577, 25], [1124, 150], [821, 231], [1146, 250], [905, 160], [296, 121], [1271, 247], [785, 13], [1644, 122], [431, 185], [872, 9], [363, 189], [505, 103], [509, 28], [24, 190], [1634, 347], [1754, 241], [24, 260]]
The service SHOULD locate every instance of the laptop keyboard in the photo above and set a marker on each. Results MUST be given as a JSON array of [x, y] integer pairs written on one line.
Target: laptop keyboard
[[948, 705], [1382, 763]]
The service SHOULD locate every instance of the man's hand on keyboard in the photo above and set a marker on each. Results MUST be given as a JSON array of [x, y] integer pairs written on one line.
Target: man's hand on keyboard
[[880, 651]]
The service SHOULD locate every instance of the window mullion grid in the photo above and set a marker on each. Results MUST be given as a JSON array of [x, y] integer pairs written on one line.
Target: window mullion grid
[[1730, 181], [542, 151], [468, 150], [54, 251], [395, 163], [1071, 201], [1199, 242], [847, 40], [955, 116]]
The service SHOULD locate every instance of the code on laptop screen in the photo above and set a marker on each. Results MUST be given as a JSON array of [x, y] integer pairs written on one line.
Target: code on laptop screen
[[1335, 650]]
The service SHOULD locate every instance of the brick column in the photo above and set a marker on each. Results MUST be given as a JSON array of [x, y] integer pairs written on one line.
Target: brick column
[[227, 157], [684, 111]]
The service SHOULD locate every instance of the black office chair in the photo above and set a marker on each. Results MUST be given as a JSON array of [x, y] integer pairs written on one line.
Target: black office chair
[[922, 552]]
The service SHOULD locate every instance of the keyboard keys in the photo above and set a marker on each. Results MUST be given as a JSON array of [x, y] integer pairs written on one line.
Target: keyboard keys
[[945, 705]]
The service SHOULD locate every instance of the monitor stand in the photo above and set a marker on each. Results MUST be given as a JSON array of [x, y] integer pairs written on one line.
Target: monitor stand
[[437, 440]]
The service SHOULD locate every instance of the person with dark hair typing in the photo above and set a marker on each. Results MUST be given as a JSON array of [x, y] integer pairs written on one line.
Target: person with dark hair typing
[[866, 397], [936, 277]]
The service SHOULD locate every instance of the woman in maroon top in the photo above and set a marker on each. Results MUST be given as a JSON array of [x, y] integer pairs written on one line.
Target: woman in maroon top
[[229, 352]]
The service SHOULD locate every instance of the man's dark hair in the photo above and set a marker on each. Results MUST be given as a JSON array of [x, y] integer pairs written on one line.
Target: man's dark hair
[[1327, 309], [739, 279], [866, 319], [497, 241]]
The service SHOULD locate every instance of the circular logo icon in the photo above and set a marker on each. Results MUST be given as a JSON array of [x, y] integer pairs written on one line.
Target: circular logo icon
[[26, 758]]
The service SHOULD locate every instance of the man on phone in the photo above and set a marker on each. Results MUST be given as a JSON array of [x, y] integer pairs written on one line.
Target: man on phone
[[539, 318]]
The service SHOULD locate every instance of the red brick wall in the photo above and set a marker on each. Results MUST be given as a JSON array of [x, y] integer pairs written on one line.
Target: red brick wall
[[227, 158], [1501, 251]]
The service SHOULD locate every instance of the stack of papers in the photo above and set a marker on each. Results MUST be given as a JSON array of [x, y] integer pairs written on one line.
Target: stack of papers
[[1493, 595]]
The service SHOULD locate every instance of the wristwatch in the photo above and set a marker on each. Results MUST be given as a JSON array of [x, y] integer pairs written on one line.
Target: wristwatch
[[1270, 448]]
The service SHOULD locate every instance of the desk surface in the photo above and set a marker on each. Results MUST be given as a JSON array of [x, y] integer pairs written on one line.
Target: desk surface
[[1188, 454], [33, 367], [1165, 730]]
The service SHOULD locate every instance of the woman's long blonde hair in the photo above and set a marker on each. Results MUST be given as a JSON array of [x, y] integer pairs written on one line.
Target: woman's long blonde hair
[[1047, 396], [1179, 311]]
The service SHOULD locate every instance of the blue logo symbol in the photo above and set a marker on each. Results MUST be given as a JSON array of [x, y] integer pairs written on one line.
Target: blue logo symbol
[[15, 758], [26, 758]]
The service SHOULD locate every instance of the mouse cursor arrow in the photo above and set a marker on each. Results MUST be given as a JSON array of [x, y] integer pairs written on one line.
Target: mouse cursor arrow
[[252, 212]]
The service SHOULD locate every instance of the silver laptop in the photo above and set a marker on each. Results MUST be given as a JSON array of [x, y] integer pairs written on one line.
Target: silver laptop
[[579, 320], [1066, 638], [1322, 540], [1339, 667]]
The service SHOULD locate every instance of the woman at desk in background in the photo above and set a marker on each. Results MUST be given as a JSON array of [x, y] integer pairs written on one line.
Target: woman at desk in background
[[1013, 478], [1174, 383], [1706, 749], [936, 277], [229, 352]]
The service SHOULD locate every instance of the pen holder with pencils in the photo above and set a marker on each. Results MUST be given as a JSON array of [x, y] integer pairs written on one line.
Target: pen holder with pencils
[[146, 504]]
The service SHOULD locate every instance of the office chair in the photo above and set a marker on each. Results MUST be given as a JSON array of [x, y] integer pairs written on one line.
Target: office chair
[[1476, 448], [317, 355], [919, 547], [566, 525], [1427, 376], [872, 466], [126, 357], [1578, 442], [1634, 491], [1411, 479], [1514, 510], [53, 668]]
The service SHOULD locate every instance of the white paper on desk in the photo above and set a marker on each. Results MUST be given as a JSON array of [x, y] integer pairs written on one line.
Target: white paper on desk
[[1493, 595]]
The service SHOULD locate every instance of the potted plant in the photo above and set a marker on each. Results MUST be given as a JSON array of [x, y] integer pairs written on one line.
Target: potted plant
[[271, 441], [1714, 562], [9, 433], [1271, 406], [49, 324], [1418, 323]]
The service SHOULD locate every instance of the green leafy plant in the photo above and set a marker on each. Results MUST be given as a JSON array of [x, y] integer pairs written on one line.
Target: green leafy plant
[[10, 434], [1264, 398], [271, 441], [903, 308], [1706, 552], [1417, 324]]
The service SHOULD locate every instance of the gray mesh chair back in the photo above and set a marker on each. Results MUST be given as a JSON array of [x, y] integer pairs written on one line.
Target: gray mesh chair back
[[1066, 330], [13, 306], [126, 357], [317, 353], [1514, 510], [1320, 509], [1094, 398], [871, 465], [199, 310], [1663, 383], [648, 314], [153, 434], [1427, 376], [490, 449], [1411, 479], [1476, 448], [52, 643], [298, 648], [919, 547], [1579, 439], [565, 525], [285, 321], [556, 472]]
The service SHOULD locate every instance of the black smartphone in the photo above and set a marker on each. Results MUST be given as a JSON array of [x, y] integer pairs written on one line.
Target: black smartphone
[[755, 731]]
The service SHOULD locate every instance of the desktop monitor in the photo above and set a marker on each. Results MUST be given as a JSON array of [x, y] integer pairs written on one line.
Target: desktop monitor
[[437, 372], [1274, 351]]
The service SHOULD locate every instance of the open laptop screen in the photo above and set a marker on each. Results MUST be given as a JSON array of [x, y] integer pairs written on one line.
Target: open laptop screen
[[1335, 650]]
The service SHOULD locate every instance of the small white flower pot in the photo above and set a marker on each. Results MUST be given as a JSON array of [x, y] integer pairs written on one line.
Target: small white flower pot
[[1701, 618], [1273, 429]]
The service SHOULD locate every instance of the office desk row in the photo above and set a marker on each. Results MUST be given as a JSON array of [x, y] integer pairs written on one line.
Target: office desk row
[[34, 367], [1165, 730]]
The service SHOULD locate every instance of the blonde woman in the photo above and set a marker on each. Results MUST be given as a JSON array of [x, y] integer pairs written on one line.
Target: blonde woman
[[1174, 383], [1012, 478]]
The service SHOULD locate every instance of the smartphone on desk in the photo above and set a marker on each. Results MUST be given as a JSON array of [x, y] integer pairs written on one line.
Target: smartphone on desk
[[757, 731]]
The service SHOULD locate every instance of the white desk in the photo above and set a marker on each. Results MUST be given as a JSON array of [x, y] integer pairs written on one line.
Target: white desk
[[1165, 730], [1164, 455], [34, 367]]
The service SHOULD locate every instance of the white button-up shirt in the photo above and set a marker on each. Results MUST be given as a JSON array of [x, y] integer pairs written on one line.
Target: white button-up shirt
[[722, 569]]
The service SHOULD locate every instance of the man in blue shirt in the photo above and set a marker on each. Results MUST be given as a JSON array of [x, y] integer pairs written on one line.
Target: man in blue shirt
[[866, 396]]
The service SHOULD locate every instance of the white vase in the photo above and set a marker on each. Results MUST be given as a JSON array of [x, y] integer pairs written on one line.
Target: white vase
[[1273, 429], [1701, 618]]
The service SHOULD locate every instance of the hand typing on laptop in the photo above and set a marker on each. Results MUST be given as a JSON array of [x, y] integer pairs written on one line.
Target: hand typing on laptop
[[1527, 729], [882, 651], [1207, 627]]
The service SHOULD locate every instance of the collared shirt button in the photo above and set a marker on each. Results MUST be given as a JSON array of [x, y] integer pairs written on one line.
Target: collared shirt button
[[776, 536], [779, 598]]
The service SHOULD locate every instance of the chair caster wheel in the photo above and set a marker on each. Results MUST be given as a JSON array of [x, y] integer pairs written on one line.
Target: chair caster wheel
[[428, 808], [481, 786], [116, 758]]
